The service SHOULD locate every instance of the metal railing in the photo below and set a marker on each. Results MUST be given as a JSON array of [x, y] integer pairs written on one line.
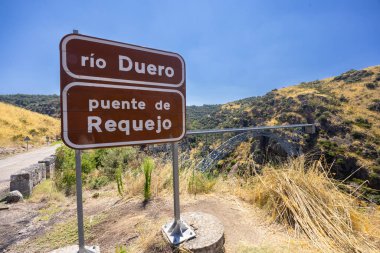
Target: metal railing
[[308, 127]]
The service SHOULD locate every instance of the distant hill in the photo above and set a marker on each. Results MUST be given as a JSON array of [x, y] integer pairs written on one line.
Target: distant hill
[[17, 123], [45, 104], [50, 105]]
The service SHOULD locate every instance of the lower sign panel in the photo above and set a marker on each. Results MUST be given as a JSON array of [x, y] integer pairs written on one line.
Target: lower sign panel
[[105, 115]]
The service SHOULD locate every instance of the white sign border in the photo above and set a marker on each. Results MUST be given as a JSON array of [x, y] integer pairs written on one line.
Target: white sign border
[[113, 43], [113, 144]]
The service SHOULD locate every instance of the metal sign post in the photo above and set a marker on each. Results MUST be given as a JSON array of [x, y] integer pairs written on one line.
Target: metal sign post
[[78, 169], [177, 231]]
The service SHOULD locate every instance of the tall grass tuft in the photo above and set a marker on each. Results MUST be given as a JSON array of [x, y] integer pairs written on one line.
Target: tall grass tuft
[[148, 166], [310, 202], [121, 249], [119, 180]]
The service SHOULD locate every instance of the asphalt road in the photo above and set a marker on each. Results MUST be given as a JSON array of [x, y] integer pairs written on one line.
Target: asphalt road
[[17, 162]]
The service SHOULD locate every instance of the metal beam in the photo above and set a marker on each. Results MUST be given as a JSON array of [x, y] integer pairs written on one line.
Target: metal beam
[[246, 129]]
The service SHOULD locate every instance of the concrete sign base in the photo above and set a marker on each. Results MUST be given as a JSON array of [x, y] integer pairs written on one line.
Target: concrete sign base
[[210, 233], [75, 249]]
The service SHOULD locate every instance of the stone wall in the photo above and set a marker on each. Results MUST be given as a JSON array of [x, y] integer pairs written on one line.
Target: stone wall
[[26, 179], [49, 165]]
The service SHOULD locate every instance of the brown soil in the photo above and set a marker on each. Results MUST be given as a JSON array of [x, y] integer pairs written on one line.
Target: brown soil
[[129, 223]]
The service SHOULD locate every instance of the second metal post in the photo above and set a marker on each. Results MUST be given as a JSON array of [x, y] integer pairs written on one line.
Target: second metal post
[[175, 181], [78, 169]]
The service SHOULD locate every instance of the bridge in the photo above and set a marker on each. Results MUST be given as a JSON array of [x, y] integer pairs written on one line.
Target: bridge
[[243, 135], [289, 144]]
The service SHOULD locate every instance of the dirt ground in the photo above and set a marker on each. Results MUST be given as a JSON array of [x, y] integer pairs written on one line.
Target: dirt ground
[[130, 223]]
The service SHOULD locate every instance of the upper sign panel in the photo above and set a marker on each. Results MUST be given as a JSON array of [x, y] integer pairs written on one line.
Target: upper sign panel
[[87, 58]]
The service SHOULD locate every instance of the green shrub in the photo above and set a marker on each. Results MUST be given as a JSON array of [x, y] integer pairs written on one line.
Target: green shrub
[[108, 160], [121, 249], [98, 182], [352, 76], [17, 137], [375, 105], [371, 86], [342, 98], [43, 130], [361, 122], [33, 132], [65, 168], [358, 135], [331, 149], [88, 162], [148, 166], [67, 182]]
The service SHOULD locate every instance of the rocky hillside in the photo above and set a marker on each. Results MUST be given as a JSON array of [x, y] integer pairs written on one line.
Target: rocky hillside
[[17, 123], [346, 108]]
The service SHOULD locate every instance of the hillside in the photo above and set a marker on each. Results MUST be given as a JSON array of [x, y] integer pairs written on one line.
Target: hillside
[[16, 123], [345, 107], [45, 104]]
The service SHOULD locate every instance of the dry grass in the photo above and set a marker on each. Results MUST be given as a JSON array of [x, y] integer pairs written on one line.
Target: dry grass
[[61, 234], [16, 123], [308, 201], [191, 181], [46, 191], [302, 197], [151, 239], [196, 182], [161, 183]]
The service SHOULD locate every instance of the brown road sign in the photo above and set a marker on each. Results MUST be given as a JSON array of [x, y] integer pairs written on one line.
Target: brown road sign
[[116, 94], [88, 58]]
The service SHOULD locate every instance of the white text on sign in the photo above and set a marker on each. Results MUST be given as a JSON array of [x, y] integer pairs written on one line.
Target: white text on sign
[[95, 123], [126, 64]]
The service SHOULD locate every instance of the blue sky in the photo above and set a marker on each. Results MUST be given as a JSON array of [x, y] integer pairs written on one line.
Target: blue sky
[[232, 49]]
